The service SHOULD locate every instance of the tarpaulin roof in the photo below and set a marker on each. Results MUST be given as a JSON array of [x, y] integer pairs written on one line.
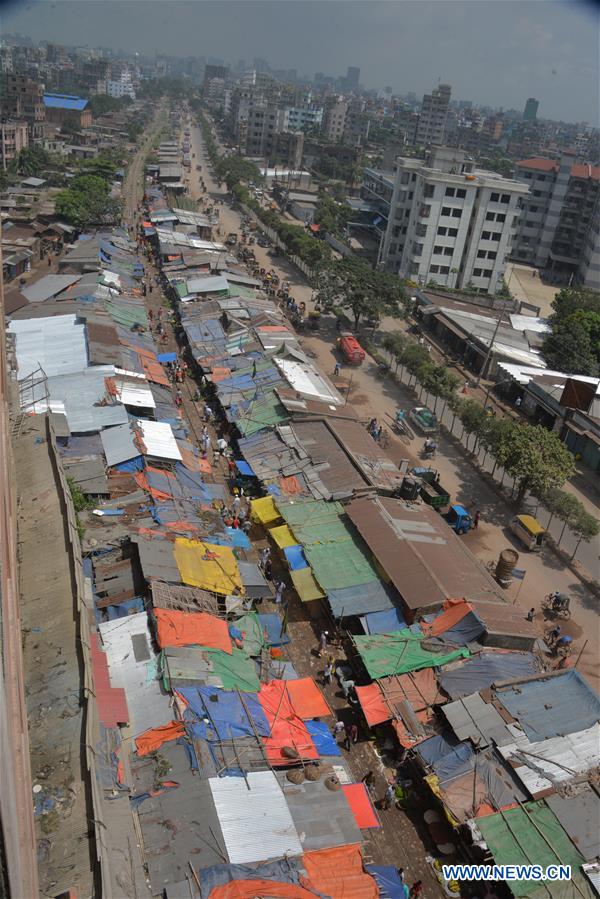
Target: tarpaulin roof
[[487, 668], [453, 612], [222, 714], [360, 599], [207, 566], [244, 468], [323, 739], [231, 671], [384, 699], [247, 631], [282, 536], [532, 835], [283, 871], [294, 556], [176, 628], [339, 873], [264, 510], [384, 622], [579, 816], [287, 728], [153, 739], [306, 698], [551, 706], [274, 628], [400, 652], [338, 565], [305, 585], [361, 805], [435, 748], [388, 881], [250, 889]]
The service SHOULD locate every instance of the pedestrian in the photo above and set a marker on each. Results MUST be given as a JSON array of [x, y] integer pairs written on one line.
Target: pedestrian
[[206, 442], [178, 399], [264, 556], [231, 467], [322, 643], [328, 671], [369, 780], [372, 424], [237, 500], [530, 615], [268, 569], [388, 796], [518, 402], [415, 890], [401, 875], [351, 736], [279, 592], [337, 369], [150, 314], [49, 262], [338, 730], [476, 520], [207, 412], [247, 526], [235, 523], [254, 368], [204, 431]]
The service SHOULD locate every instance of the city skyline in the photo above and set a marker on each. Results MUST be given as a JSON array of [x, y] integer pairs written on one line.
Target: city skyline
[[544, 50]]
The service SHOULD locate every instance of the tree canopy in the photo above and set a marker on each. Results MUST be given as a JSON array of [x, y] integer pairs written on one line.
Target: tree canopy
[[536, 458], [574, 343], [331, 215], [31, 161], [354, 285], [87, 202]]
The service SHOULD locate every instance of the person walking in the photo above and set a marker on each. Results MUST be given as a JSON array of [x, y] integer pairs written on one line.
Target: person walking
[[530, 615], [388, 797], [351, 736], [337, 369], [369, 780], [328, 671], [207, 413], [416, 889], [338, 730], [322, 643], [476, 520], [264, 557], [279, 592]]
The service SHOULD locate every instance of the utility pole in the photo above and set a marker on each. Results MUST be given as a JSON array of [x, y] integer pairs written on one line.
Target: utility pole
[[491, 346]]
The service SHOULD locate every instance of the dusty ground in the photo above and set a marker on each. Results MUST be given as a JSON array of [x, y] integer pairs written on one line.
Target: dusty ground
[[53, 674], [525, 284]]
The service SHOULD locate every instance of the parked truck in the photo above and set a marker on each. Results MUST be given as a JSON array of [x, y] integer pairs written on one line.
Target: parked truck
[[431, 490]]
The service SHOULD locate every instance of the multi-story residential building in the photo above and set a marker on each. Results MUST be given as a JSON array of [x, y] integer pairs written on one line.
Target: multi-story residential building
[[432, 119], [263, 123], [14, 137], [352, 78], [558, 228], [121, 87], [448, 222], [334, 120], [299, 118], [24, 98]]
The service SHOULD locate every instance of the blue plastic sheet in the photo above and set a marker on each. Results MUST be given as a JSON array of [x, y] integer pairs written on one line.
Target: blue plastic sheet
[[136, 464], [125, 608], [481, 671], [283, 871], [553, 706], [322, 738], [214, 714], [167, 357], [272, 623], [388, 881], [359, 600], [456, 762], [435, 748], [244, 468], [385, 622], [295, 557]]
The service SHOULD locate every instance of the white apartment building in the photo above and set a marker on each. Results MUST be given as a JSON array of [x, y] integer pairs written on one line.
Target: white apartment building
[[297, 118], [122, 87], [432, 119], [450, 223], [334, 122]]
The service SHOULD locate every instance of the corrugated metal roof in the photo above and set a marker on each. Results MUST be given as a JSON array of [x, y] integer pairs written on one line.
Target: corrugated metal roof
[[57, 344], [118, 445], [47, 287], [255, 820], [158, 439], [134, 392], [213, 284], [64, 101], [322, 817], [579, 815], [80, 394], [157, 559]]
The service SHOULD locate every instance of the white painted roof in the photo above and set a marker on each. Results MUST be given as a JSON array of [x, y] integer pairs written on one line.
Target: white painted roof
[[158, 439], [544, 764], [308, 381], [57, 344]]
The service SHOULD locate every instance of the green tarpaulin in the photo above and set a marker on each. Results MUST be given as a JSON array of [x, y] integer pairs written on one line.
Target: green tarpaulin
[[399, 652], [265, 412], [533, 835], [252, 633], [199, 664], [339, 565]]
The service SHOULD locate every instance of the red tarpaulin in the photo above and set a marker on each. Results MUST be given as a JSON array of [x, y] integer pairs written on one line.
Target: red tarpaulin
[[306, 698], [338, 873], [287, 729], [361, 805]]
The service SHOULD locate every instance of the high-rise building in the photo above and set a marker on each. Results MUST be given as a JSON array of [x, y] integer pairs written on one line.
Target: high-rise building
[[531, 108], [24, 98], [352, 78], [14, 137], [334, 121], [432, 119], [559, 224], [450, 223]]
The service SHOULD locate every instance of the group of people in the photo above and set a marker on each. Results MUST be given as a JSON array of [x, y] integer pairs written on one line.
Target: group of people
[[266, 565], [375, 430]]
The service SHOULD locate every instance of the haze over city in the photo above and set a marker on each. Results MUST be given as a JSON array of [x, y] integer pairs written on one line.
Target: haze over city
[[495, 53]]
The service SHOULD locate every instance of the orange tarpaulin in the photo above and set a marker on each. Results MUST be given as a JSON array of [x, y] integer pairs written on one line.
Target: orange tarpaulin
[[380, 700], [174, 628], [189, 459], [154, 738], [287, 729], [154, 371], [290, 485], [307, 700], [220, 374], [361, 806], [250, 889], [454, 611], [339, 873]]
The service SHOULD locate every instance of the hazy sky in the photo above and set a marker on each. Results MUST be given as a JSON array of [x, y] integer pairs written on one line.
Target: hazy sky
[[491, 51]]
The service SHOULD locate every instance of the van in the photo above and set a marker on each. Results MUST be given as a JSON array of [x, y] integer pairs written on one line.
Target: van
[[529, 531], [351, 349]]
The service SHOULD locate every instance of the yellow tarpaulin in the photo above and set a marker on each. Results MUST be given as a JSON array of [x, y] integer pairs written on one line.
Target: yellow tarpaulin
[[283, 536], [305, 584], [264, 510], [207, 566]]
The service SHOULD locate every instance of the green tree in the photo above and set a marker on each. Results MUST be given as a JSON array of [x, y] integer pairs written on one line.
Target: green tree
[[573, 299], [537, 460], [31, 161], [353, 285], [574, 344], [472, 417], [585, 527]]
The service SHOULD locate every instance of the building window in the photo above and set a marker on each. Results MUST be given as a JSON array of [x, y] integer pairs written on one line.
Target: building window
[[452, 232], [438, 250], [500, 217], [477, 272], [444, 269], [491, 254], [450, 191], [481, 254], [446, 210], [461, 193], [448, 251], [417, 249], [425, 211], [442, 231], [428, 190], [485, 235], [496, 235], [505, 198], [533, 208], [494, 198], [489, 216], [434, 269], [404, 178], [456, 213], [487, 273], [541, 177]]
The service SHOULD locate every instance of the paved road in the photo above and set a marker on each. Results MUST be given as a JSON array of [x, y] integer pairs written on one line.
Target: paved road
[[372, 397]]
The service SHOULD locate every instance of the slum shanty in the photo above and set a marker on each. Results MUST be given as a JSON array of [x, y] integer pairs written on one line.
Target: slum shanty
[[229, 490]]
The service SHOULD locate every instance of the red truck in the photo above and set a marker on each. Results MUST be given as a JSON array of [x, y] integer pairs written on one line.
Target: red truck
[[351, 349]]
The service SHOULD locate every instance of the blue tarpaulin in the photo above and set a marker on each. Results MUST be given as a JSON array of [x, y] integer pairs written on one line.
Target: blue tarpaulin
[[284, 871], [214, 714], [483, 670], [136, 464], [456, 762], [167, 357], [272, 623], [322, 738], [384, 622], [126, 608], [295, 557], [435, 748], [244, 468], [388, 881]]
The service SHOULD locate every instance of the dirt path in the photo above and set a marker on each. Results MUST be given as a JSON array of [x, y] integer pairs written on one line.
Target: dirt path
[[133, 186]]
